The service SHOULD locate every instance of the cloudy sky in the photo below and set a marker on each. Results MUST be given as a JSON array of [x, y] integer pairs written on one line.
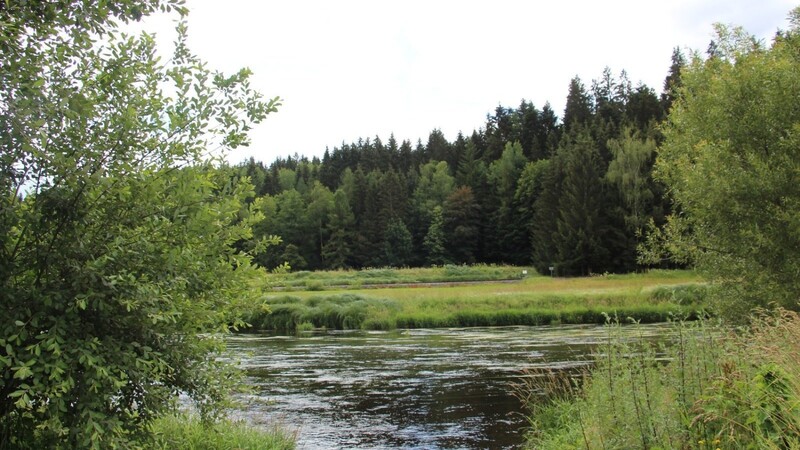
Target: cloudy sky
[[348, 69]]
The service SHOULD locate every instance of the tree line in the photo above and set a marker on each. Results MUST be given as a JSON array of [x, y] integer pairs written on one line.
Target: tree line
[[574, 194]]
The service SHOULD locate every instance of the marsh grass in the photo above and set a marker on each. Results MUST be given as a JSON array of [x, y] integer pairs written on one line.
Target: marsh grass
[[533, 302], [651, 297], [303, 280], [341, 312], [709, 388], [189, 433]]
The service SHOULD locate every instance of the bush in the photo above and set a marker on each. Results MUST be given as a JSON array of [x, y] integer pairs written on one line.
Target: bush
[[118, 270]]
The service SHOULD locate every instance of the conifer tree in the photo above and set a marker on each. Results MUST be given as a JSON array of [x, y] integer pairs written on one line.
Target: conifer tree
[[578, 109], [580, 224], [337, 250], [461, 215]]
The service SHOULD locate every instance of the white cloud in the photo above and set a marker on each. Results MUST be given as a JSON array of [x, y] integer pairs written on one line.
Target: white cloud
[[350, 69]]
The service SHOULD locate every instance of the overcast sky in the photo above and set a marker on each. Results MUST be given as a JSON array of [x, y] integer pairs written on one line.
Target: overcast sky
[[348, 69]]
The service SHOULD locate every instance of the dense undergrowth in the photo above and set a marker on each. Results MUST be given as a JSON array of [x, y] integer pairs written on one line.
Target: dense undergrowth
[[710, 388]]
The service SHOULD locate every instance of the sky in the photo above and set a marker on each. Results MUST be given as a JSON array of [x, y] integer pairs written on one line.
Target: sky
[[350, 69]]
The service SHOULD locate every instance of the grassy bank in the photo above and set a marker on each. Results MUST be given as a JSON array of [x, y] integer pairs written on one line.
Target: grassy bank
[[718, 390], [652, 297], [378, 276], [188, 433]]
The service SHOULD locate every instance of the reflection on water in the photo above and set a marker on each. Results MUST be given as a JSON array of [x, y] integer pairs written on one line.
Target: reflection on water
[[423, 389]]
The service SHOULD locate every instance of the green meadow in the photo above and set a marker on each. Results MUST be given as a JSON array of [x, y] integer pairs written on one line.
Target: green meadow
[[305, 280], [655, 296]]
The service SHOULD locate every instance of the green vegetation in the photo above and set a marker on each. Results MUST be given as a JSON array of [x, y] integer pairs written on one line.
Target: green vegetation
[[653, 297], [190, 433], [525, 189], [117, 266], [125, 248], [719, 389], [730, 162], [383, 276]]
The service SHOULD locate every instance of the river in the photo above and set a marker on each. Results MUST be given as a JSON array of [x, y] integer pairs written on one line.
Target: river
[[418, 389]]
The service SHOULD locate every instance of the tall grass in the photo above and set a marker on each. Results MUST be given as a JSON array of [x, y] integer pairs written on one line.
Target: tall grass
[[442, 308], [189, 433], [711, 388], [342, 312], [389, 275]]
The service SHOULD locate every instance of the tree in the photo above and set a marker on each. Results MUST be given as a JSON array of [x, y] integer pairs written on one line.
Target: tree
[[578, 109], [570, 227], [643, 109], [336, 252], [629, 172], [529, 188], [438, 149], [461, 216], [116, 231], [397, 245], [672, 83], [433, 186], [471, 170], [545, 216], [434, 242], [294, 227], [580, 225], [730, 162], [510, 239], [320, 205]]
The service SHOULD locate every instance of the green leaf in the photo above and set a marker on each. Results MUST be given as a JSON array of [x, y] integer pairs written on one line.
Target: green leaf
[[22, 372]]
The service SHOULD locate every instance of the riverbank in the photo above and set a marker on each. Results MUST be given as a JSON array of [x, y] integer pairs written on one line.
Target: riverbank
[[655, 296], [712, 389]]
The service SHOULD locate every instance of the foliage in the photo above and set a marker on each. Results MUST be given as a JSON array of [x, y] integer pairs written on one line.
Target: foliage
[[434, 240], [397, 247], [730, 161], [716, 390], [116, 231], [497, 208], [461, 221]]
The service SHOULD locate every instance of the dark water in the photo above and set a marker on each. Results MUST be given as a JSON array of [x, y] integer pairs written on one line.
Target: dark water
[[423, 389]]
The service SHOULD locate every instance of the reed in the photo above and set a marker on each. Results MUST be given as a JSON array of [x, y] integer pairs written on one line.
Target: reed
[[710, 388], [286, 313]]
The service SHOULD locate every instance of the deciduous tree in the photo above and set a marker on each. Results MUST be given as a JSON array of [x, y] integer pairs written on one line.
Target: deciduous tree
[[116, 231], [731, 163]]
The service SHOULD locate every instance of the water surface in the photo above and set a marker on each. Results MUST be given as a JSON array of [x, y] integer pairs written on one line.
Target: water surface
[[424, 389]]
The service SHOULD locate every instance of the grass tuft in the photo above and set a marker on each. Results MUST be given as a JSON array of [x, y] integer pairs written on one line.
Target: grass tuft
[[189, 433]]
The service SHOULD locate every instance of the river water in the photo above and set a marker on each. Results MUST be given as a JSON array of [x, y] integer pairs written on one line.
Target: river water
[[419, 389]]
